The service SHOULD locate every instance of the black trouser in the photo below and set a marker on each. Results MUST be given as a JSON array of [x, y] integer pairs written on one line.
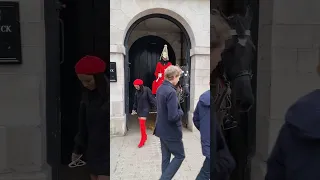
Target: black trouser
[[175, 148]]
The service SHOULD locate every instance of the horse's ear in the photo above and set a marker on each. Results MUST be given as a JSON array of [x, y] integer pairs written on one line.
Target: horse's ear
[[215, 11], [248, 15]]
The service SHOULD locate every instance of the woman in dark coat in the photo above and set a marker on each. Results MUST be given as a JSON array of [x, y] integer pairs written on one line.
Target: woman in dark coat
[[143, 100], [94, 124]]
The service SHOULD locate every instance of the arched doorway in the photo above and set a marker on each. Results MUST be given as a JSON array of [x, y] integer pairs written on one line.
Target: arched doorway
[[143, 57], [184, 59]]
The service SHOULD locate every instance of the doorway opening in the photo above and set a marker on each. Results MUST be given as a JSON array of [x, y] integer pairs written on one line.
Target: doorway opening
[[80, 28], [144, 44]]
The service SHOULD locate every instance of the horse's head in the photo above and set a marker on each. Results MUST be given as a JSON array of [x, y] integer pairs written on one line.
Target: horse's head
[[184, 80], [237, 59]]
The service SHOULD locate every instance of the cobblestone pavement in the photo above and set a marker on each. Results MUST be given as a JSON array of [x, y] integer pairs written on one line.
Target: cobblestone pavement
[[128, 162]]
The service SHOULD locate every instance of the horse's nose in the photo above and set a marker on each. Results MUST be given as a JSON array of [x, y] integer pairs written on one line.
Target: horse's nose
[[246, 105], [244, 95]]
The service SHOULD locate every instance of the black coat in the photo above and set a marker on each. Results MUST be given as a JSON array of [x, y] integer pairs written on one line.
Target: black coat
[[296, 154], [169, 113], [224, 162], [143, 101], [93, 138]]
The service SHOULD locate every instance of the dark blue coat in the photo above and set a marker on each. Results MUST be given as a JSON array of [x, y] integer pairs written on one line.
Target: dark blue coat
[[296, 154], [143, 100], [169, 113], [201, 119]]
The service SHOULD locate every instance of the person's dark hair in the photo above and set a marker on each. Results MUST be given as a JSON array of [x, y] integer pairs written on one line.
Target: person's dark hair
[[141, 87], [102, 86]]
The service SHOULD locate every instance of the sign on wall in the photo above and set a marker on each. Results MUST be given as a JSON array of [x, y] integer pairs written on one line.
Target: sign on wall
[[10, 38], [113, 72]]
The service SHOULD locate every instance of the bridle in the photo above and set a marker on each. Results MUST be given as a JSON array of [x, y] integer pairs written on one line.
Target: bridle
[[222, 97], [183, 84]]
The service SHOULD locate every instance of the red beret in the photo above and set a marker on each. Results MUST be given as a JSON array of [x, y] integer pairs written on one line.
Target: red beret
[[138, 82], [90, 65]]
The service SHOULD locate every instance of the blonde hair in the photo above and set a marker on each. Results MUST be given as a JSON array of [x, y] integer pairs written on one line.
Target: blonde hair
[[172, 72], [219, 29]]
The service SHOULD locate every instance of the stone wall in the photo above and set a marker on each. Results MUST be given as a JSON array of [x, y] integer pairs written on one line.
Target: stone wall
[[287, 57], [22, 105], [194, 15]]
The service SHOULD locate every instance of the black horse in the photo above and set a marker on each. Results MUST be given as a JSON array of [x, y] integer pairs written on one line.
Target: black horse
[[233, 92], [237, 59], [183, 92], [183, 84]]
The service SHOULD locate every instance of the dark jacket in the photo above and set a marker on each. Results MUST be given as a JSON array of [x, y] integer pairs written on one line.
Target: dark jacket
[[224, 162], [296, 154], [169, 113], [143, 101], [201, 119], [94, 132]]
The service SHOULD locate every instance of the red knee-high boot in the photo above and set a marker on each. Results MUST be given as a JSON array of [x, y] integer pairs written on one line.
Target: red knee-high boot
[[143, 132]]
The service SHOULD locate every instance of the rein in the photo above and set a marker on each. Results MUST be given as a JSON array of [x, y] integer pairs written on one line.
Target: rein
[[220, 97]]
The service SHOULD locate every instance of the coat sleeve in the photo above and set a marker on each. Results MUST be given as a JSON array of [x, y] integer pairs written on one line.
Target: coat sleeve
[[135, 103], [151, 98], [225, 163], [81, 138], [275, 163], [174, 112], [196, 118]]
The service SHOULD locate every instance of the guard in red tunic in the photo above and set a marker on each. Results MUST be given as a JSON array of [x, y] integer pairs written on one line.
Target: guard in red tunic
[[159, 72]]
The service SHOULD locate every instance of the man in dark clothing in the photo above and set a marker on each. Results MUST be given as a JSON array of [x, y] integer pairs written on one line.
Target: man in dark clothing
[[296, 154], [168, 125], [201, 120], [224, 162]]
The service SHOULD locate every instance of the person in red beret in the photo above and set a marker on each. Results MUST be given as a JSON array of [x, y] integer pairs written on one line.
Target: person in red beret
[[143, 100], [93, 139]]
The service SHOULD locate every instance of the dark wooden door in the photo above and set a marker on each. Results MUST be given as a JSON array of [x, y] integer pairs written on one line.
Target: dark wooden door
[[144, 55], [83, 31]]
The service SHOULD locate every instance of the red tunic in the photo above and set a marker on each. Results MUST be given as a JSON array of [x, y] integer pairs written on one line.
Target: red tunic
[[159, 69]]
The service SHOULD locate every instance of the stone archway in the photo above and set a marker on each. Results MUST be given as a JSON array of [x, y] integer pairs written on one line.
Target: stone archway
[[164, 13], [199, 49], [127, 64]]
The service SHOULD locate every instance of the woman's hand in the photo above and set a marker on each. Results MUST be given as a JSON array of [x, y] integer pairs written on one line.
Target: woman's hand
[[133, 112], [159, 75], [75, 157], [76, 161]]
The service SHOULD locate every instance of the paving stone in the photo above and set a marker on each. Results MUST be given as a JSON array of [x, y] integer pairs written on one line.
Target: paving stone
[[130, 162]]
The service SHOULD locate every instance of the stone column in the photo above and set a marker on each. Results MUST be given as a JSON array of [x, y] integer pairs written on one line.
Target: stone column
[[199, 77], [117, 94]]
